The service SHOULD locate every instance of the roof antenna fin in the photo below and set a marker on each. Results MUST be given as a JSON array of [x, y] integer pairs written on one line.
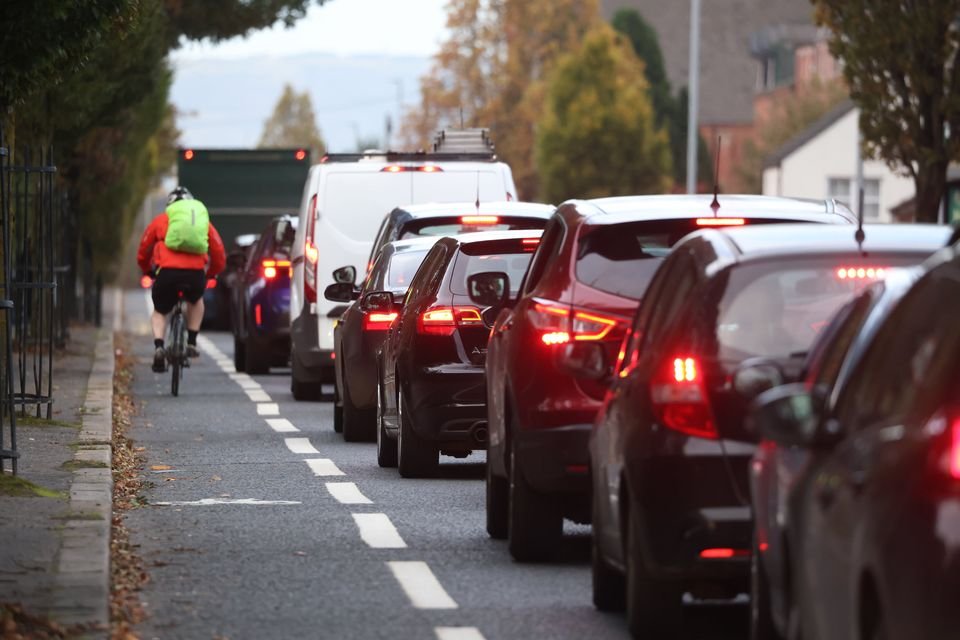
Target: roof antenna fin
[[715, 205]]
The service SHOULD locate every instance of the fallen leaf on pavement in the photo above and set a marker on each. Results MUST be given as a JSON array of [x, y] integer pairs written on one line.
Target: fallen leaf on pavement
[[160, 467]]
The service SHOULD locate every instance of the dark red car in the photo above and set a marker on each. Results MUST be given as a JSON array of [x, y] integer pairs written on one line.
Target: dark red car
[[584, 284]]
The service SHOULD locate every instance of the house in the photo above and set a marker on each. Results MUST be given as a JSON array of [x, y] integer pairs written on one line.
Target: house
[[820, 162]]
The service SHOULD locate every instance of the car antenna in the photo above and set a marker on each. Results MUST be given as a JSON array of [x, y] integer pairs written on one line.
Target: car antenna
[[715, 205], [477, 203], [860, 235]]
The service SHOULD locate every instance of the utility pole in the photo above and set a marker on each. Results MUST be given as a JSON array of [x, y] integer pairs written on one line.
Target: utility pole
[[693, 106]]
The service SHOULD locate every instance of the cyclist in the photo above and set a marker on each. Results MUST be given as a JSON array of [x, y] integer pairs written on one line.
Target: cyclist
[[180, 249]]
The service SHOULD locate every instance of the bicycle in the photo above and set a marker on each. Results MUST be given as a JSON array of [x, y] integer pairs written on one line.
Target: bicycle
[[177, 349]]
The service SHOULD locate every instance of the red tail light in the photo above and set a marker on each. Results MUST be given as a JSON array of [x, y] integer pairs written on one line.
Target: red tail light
[[272, 267], [301, 154], [310, 255], [861, 273], [561, 324], [376, 321], [953, 458], [679, 398], [392, 168], [530, 244], [479, 219], [258, 315], [442, 321], [430, 168], [723, 553], [211, 283], [188, 154], [721, 222]]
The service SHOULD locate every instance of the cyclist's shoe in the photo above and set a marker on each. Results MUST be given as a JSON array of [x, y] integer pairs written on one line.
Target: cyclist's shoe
[[192, 351], [159, 360]]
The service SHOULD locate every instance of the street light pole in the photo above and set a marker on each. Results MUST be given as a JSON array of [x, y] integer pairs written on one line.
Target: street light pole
[[693, 105]]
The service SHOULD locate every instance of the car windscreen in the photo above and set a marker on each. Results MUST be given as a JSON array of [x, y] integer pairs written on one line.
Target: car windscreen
[[457, 224], [777, 308], [511, 259], [403, 266], [622, 258]]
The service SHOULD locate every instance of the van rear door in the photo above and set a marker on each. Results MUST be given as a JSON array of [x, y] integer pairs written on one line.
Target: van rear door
[[456, 184]]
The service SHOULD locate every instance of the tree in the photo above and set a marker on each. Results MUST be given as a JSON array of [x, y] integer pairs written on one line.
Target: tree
[[790, 116], [293, 124], [901, 61], [223, 19], [598, 135]]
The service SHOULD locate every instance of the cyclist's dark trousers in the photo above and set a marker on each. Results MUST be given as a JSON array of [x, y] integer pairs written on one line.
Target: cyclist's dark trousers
[[170, 282]]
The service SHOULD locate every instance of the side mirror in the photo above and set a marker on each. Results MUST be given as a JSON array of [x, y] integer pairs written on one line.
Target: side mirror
[[585, 360], [756, 375], [341, 292], [489, 289], [282, 228], [792, 415], [346, 274], [381, 301]]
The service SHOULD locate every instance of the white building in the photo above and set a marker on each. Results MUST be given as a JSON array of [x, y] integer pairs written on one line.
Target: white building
[[821, 163]]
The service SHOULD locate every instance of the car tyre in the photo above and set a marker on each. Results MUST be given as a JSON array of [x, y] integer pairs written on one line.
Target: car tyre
[[416, 458], [257, 362], [535, 524], [654, 606], [239, 355], [609, 585], [498, 505], [305, 390], [386, 446], [761, 617], [356, 422]]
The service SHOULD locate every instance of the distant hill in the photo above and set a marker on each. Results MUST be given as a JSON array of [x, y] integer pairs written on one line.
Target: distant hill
[[225, 102]]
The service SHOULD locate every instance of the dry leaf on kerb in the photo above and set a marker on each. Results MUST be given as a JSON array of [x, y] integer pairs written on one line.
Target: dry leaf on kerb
[[160, 467]]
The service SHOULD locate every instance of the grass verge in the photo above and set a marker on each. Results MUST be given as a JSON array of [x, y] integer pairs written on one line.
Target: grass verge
[[17, 487]]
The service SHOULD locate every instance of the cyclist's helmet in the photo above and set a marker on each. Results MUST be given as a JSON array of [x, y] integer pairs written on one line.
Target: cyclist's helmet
[[180, 193]]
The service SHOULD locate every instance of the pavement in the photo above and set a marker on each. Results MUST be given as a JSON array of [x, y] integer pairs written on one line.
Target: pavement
[[54, 560]]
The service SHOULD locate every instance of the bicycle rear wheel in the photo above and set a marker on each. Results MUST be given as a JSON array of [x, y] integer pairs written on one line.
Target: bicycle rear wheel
[[177, 351]]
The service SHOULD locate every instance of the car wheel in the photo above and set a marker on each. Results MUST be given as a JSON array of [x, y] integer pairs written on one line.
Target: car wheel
[[654, 607], [416, 457], [761, 618], [535, 524], [356, 422], [256, 360], [239, 355], [609, 585], [498, 504], [305, 390], [386, 446]]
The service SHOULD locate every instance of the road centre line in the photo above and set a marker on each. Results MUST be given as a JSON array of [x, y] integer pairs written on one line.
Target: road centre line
[[378, 532], [300, 445], [257, 395], [268, 409], [324, 467], [421, 586], [281, 425], [458, 633], [347, 493]]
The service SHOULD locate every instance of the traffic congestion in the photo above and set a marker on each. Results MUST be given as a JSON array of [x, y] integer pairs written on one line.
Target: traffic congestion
[[740, 394]]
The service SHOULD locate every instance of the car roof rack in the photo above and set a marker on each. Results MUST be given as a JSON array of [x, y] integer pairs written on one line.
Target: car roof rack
[[463, 141]]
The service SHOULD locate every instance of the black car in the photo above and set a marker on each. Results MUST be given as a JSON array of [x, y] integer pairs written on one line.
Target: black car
[[359, 335], [260, 301], [728, 314], [431, 379], [448, 219], [217, 298], [871, 529]]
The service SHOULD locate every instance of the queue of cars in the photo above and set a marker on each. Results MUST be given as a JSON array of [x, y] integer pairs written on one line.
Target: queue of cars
[[741, 394]]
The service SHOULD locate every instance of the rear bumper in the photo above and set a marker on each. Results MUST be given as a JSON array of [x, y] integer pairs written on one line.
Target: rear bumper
[[449, 405], [556, 460]]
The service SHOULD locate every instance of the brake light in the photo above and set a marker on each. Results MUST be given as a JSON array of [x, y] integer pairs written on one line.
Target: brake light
[[300, 154], [271, 268], [953, 461], [442, 321], [479, 219], [378, 321], [679, 398], [723, 553], [311, 255], [861, 273], [561, 325], [392, 168], [188, 154], [211, 283], [530, 244], [721, 222], [258, 315], [430, 168]]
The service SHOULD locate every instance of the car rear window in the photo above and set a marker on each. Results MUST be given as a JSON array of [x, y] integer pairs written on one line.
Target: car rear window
[[454, 225], [776, 309], [403, 266], [499, 256], [622, 258]]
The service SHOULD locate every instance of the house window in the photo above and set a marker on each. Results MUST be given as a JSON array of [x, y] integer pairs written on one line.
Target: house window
[[842, 190]]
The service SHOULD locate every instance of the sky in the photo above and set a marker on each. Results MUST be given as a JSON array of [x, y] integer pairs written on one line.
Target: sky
[[359, 59]]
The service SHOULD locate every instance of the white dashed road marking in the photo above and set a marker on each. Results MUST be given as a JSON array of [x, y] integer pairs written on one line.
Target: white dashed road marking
[[206, 502], [324, 467], [421, 586], [378, 532], [257, 395], [300, 445], [268, 409], [458, 633], [347, 493], [281, 425]]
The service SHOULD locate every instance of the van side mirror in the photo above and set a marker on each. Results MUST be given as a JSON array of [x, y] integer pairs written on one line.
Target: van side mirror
[[341, 292], [792, 415], [585, 360], [347, 274], [489, 289], [380, 301], [756, 375]]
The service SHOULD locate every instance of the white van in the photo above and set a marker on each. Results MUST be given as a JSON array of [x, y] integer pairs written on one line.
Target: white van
[[345, 199]]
